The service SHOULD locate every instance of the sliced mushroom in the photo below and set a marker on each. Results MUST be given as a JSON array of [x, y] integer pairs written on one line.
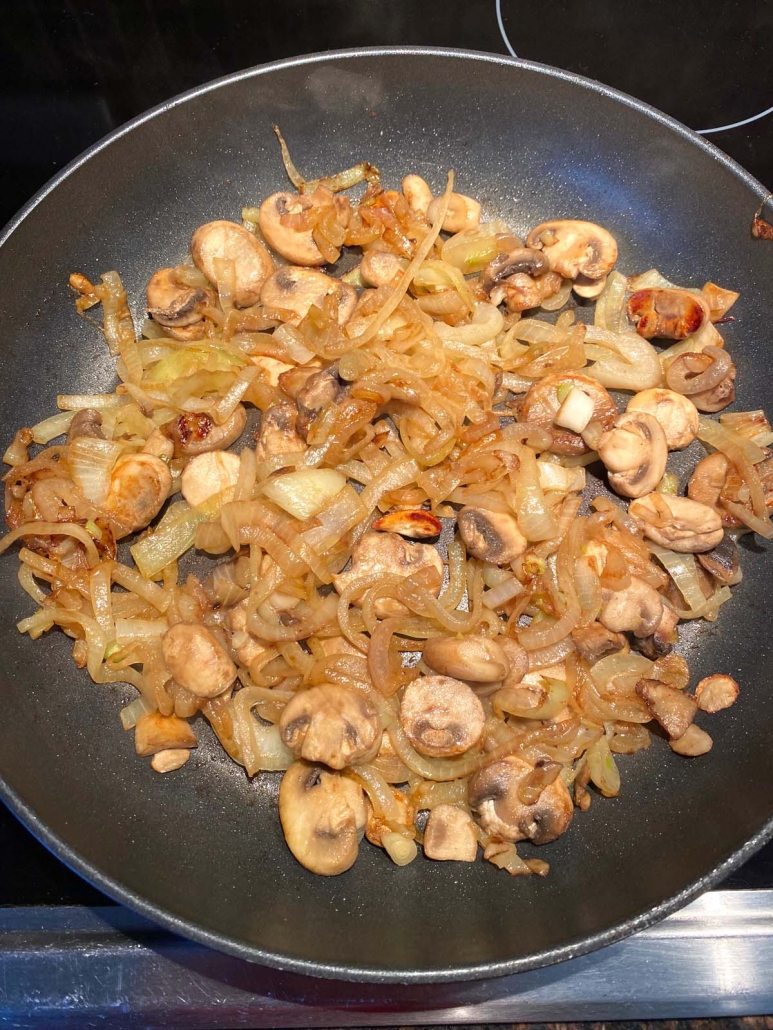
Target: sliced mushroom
[[715, 480], [494, 796], [678, 522], [543, 401], [196, 432], [169, 760], [441, 716], [707, 479], [416, 524], [714, 693], [463, 213], [522, 292], [277, 433], [155, 732], [211, 475], [174, 306], [450, 835], [286, 221], [637, 609], [662, 641], [669, 314], [524, 260], [634, 453], [676, 414], [595, 642], [491, 536], [390, 555], [323, 816], [381, 267], [227, 241], [139, 485], [474, 659], [293, 291], [320, 390], [723, 561], [575, 248], [197, 661], [331, 724], [87, 422], [417, 193], [693, 742], [587, 288], [672, 708]]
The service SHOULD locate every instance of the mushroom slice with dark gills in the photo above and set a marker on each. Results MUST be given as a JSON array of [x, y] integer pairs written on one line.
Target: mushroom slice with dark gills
[[176, 307], [323, 815], [634, 452], [331, 724], [491, 536], [320, 390], [494, 796], [287, 222], [577, 250], [668, 314], [441, 716], [293, 291]]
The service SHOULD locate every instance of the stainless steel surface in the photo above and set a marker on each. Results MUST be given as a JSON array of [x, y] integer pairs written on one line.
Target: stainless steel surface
[[108, 967]]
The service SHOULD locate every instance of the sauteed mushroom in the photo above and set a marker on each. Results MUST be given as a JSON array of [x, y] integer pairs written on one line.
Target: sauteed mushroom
[[638, 609], [323, 815], [678, 522], [474, 659], [277, 434], [672, 708], [418, 194], [714, 693], [139, 485], [296, 243], [155, 732], [197, 661], [677, 415], [575, 248], [441, 716], [463, 212], [669, 314], [227, 241], [390, 555], [634, 452], [493, 795], [331, 724], [492, 536], [450, 836], [595, 642], [293, 291], [174, 306], [544, 399]]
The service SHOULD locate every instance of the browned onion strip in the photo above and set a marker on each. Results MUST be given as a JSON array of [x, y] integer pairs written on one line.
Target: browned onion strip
[[694, 373]]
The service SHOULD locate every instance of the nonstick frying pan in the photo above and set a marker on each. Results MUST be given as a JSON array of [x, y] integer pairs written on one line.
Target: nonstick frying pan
[[201, 851]]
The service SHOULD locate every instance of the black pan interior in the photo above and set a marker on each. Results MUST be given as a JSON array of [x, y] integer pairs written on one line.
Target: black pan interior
[[201, 850]]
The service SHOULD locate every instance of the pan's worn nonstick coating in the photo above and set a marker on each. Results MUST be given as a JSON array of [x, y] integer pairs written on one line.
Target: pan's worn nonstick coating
[[201, 850]]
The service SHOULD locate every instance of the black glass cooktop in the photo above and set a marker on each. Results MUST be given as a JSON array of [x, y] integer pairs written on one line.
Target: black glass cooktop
[[72, 71]]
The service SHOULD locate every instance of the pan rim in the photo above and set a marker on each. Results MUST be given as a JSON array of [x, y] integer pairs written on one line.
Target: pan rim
[[331, 970]]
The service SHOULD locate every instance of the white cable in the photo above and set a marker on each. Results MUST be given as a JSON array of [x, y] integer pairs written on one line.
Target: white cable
[[736, 125], [502, 30], [701, 132]]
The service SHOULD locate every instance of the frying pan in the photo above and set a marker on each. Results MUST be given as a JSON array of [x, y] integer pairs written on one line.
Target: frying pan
[[201, 851]]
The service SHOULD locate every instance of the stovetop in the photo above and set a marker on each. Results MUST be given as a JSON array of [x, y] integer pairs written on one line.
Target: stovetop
[[73, 71]]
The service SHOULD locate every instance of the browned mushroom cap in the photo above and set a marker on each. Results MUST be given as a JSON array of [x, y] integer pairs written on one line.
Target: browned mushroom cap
[[197, 661], [595, 642], [663, 639], [716, 692], [331, 724], [491, 536], [171, 304], [543, 400], [707, 479], [87, 422], [494, 797], [474, 659], [450, 836], [139, 485], [723, 561], [295, 244], [637, 609], [575, 248], [323, 817], [320, 390], [195, 432], [277, 433], [671, 314], [390, 555], [678, 522], [293, 291], [634, 453], [676, 414], [441, 716], [672, 708], [463, 212], [155, 732], [231, 242]]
